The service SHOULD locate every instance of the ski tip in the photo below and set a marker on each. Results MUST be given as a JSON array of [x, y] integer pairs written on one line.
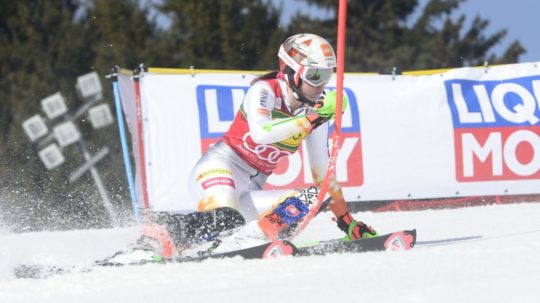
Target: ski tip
[[279, 248], [411, 233], [401, 240]]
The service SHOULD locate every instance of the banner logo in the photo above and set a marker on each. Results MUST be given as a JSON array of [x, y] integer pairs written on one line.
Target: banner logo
[[218, 106], [496, 128]]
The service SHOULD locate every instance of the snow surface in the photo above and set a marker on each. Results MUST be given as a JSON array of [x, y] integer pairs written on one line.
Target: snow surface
[[478, 254]]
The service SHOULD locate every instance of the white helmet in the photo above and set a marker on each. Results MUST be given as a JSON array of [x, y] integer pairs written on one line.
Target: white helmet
[[309, 58]]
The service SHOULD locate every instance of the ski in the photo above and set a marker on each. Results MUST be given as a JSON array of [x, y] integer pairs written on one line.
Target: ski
[[399, 240]]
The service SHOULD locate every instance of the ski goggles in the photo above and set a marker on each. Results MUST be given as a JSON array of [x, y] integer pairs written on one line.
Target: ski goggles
[[314, 76]]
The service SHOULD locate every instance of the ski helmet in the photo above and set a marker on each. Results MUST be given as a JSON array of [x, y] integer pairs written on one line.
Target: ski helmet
[[309, 58]]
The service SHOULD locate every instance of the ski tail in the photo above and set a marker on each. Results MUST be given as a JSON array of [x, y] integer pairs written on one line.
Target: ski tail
[[401, 240]]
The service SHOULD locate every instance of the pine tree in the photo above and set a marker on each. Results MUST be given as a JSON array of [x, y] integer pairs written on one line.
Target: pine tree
[[381, 35], [44, 47], [223, 34], [120, 34], [33, 65]]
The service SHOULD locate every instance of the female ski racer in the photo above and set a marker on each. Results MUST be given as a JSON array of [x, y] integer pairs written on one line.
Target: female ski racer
[[279, 111]]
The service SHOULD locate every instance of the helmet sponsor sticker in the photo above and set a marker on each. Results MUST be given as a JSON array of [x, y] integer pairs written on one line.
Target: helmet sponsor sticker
[[327, 50]]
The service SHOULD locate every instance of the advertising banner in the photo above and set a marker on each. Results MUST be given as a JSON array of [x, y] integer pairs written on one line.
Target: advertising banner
[[463, 132]]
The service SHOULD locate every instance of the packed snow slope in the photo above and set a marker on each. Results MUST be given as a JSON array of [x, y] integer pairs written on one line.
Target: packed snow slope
[[477, 254]]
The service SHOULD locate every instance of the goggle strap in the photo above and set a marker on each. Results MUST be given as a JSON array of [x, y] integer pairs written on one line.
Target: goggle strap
[[296, 91], [297, 77]]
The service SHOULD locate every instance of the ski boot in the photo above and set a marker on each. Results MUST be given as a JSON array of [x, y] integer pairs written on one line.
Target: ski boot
[[156, 238], [355, 229], [173, 233]]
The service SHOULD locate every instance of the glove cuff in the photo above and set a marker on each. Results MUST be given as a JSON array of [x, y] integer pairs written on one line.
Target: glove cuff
[[316, 120]]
